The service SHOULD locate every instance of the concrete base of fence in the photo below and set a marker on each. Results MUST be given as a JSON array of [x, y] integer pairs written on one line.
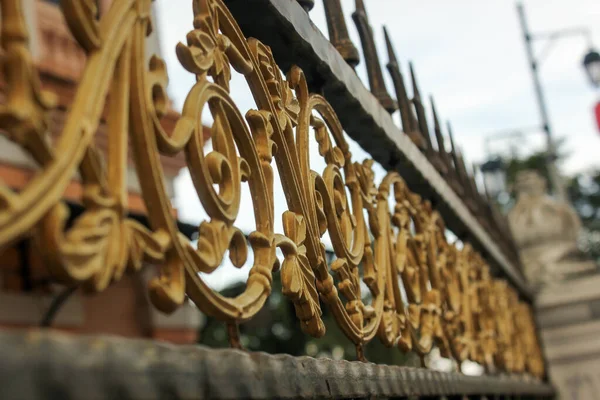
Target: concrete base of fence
[[51, 365]]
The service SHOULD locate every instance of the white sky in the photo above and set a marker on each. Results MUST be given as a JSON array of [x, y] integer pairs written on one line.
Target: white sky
[[469, 53]]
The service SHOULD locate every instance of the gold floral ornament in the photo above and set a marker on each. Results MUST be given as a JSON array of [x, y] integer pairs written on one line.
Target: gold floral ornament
[[410, 242], [317, 203], [331, 211], [217, 176], [297, 277], [24, 120], [422, 291], [102, 243]]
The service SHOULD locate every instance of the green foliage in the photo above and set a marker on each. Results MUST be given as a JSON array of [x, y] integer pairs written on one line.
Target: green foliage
[[536, 161], [584, 193], [276, 330]]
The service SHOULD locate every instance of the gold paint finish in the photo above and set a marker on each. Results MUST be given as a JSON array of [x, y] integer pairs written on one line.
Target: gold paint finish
[[423, 291]]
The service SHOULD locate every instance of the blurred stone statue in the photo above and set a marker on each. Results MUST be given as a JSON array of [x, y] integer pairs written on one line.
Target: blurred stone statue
[[546, 233]]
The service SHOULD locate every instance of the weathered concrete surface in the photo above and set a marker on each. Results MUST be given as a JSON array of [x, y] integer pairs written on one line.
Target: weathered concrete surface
[[50, 365]]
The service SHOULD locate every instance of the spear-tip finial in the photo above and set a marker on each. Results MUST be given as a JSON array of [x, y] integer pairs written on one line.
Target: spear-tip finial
[[376, 82], [416, 93], [360, 7], [451, 136], [436, 121], [390, 47], [438, 134]]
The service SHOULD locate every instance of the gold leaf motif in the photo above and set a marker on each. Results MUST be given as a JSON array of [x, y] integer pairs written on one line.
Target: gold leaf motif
[[296, 276]]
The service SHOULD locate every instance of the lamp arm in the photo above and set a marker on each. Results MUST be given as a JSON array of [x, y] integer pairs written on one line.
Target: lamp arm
[[552, 37]]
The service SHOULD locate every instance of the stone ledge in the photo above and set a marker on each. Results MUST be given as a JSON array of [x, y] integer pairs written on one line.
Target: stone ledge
[[48, 365], [564, 335], [565, 345], [564, 315], [570, 291]]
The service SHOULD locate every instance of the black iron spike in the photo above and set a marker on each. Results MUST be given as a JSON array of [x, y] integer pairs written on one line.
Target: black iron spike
[[465, 179], [439, 139], [475, 195], [484, 205], [484, 216], [463, 171], [480, 196], [389, 47], [415, 85], [421, 117], [338, 32], [374, 72], [453, 150], [409, 122], [498, 221], [458, 180]]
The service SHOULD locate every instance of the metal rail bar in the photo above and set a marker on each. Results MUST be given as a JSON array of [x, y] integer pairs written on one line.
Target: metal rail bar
[[295, 40], [49, 365]]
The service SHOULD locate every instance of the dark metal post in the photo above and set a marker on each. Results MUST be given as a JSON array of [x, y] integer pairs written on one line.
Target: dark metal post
[[555, 181], [338, 32], [376, 82]]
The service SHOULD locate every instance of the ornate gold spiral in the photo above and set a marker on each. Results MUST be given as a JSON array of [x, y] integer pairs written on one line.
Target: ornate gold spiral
[[424, 291]]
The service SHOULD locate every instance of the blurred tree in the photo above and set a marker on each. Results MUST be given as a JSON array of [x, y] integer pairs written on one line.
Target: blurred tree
[[584, 193], [535, 161], [276, 330]]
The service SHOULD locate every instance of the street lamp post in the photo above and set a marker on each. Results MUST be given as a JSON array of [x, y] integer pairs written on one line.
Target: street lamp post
[[592, 65], [494, 177]]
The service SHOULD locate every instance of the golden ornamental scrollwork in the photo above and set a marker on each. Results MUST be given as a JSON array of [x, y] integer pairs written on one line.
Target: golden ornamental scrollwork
[[421, 290]]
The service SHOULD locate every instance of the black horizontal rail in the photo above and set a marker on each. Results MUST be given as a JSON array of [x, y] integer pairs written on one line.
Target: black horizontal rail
[[295, 40], [52, 365]]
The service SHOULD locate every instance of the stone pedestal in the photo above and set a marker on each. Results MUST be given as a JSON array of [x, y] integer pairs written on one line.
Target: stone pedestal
[[569, 316]]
